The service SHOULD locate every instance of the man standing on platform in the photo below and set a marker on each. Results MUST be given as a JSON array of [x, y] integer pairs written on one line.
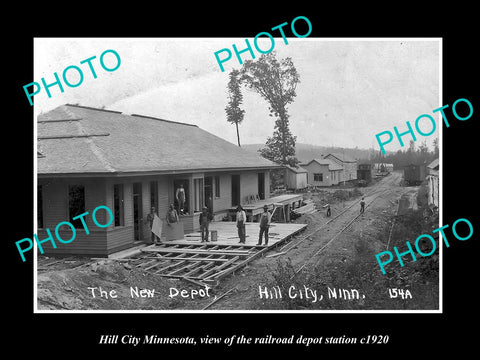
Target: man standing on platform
[[265, 218], [241, 218], [180, 195], [204, 219], [172, 215]]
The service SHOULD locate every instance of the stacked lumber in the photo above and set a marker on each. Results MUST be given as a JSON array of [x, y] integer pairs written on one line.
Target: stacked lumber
[[307, 208]]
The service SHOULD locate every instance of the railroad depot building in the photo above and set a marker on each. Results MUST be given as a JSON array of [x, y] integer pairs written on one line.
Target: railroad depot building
[[89, 157]]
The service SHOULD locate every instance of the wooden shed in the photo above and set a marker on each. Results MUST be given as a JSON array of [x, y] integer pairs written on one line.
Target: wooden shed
[[295, 178]]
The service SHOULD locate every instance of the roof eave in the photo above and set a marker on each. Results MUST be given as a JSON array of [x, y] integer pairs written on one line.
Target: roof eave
[[155, 172]]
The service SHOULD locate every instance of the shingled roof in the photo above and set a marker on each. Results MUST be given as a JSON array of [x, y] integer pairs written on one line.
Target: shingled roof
[[77, 140], [332, 165], [342, 157]]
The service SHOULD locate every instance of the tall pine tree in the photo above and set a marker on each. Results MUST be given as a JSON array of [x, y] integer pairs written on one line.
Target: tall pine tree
[[235, 98], [276, 82]]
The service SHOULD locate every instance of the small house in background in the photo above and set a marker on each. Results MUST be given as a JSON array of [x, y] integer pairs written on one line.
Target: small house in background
[[323, 172], [88, 157], [433, 184], [414, 174], [364, 172], [348, 165], [295, 178]]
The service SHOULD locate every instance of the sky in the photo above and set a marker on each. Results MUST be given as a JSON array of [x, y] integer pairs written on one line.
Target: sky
[[349, 89]]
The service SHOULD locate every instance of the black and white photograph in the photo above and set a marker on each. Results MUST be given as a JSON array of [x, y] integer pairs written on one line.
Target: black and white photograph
[[219, 179], [171, 179]]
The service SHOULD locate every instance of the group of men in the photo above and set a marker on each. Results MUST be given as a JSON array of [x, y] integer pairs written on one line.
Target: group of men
[[264, 221], [170, 218], [265, 218], [206, 217]]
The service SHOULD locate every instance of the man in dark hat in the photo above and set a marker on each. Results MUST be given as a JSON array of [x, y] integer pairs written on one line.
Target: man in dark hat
[[265, 218], [204, 219], [241, 217]]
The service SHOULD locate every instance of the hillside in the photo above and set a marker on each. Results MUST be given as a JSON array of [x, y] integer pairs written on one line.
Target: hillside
[[307, 152]]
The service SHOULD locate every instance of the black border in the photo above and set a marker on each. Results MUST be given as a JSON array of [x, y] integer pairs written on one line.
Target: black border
[[77, 334]]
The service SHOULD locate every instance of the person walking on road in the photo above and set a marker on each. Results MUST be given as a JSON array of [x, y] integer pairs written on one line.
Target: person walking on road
[[362, 206], [265, 218], [241, 217]]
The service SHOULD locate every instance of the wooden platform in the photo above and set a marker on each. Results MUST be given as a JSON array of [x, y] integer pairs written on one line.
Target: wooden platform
[[255, 208], [204, 263]]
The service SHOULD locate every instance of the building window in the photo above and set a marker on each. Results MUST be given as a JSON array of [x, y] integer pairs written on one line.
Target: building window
[[76, 204], [317, 177], [197, 194], [39, 207], [217, 186], [118, 204]]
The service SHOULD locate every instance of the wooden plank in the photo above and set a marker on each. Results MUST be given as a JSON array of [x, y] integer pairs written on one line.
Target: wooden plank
[[277, 254], [218, 298], [241, 264], [199, 283], [181, 277], [195, 259], [196, 269], [170, 266], [153, 266], [207, 275], [188, 266], [204, 251], [193, 268], [159, 261]]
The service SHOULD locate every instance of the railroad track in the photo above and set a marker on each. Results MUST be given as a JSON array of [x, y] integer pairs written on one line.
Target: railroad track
[[346, 224], [373, 192]]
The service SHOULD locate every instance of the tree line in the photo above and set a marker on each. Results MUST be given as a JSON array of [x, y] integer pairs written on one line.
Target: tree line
[[412, 155]]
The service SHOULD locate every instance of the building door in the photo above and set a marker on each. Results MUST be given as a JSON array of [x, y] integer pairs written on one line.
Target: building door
[[208, 193], [137, 211], [235, 190], [261, 185]]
